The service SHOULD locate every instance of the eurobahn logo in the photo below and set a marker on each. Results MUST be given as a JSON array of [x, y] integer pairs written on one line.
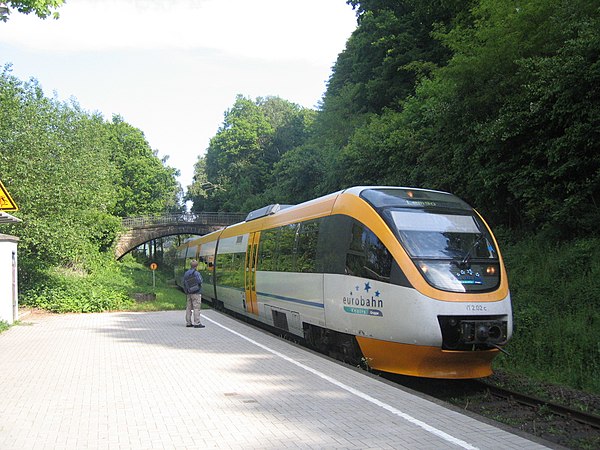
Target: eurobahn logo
[[363, 302]]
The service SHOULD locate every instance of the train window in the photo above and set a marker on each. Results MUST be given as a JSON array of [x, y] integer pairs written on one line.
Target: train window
[[285, 255], [230, 265], [267, 252], [191, 254], [334, 239], [412, 198], [454, 252], [367, 256], [236, 273], [306, 246], [222, 267], [207, 256]]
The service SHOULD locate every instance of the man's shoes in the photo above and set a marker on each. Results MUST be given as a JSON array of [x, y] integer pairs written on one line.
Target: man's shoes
[[189, 326], [199, 326]]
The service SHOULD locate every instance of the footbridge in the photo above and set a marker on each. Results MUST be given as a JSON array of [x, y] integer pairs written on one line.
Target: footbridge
[[139, 230]]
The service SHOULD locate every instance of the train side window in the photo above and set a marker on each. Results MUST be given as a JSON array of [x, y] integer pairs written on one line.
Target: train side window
[[367, 256], [222, 268], [285, 256], [267, 252], [191, 254], [334, 240], [230, 265], [306, 246], [236, 278], [225, 266]]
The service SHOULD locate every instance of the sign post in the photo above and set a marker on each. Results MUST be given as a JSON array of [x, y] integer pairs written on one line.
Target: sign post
[[153, 268]]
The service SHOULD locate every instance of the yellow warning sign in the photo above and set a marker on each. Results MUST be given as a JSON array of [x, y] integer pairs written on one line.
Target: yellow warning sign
[[6, 202]]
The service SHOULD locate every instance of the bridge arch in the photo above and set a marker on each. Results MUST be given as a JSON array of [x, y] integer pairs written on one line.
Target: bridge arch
[[139, 230]]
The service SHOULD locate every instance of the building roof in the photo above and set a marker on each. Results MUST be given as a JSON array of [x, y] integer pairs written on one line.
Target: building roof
[[7, 218]]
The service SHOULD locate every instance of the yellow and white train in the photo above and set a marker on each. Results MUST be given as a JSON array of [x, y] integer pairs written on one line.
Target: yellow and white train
[[409, 281]]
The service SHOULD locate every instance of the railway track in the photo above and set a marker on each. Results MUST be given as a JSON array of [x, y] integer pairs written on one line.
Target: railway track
[[557, 423], [582, 417]]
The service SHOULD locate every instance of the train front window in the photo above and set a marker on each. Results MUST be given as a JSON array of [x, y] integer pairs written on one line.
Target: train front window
[[454, 252]]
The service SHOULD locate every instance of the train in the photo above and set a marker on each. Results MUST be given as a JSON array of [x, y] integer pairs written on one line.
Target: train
[[402, 280]]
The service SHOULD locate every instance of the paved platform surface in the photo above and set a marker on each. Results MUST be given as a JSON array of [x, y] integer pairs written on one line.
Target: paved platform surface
[[145, 381]]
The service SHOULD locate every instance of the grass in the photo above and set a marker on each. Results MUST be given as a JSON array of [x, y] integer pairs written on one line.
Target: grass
[[4, 326], [556, 306], [139, 280], [108, 287]]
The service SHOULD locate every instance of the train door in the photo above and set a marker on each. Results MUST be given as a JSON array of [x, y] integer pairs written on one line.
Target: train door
[[250, 273]]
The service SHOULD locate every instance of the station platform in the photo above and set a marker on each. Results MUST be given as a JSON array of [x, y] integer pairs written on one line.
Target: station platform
[[145, 381]]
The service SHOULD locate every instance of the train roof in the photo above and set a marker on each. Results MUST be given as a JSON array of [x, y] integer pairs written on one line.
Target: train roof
[[277, 215], [356, 190]]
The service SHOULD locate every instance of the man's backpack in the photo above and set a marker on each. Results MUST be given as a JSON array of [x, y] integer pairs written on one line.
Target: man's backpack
[[190, 283]]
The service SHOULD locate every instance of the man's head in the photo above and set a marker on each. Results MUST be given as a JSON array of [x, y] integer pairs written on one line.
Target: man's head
[[194, 263]]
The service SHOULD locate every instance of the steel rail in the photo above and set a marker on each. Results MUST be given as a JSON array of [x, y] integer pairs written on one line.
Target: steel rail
[[592, 420]]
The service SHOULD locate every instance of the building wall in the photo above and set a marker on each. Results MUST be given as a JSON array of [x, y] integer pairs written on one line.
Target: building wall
[[9, 289]]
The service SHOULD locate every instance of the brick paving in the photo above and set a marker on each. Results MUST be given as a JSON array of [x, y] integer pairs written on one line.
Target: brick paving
[[145, 381]]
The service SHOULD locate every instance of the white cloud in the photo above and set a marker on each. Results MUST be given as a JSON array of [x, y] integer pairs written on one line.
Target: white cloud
[[310, 30], [172, 68]]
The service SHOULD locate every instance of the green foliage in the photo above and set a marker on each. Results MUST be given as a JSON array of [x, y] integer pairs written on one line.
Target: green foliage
[[49, 153], [73, 175], [145, 185], [392, 49], [297, 175], [108, 286], [556, 302], [135, 277], [238, 171], [516, 111], [500, 108], [41, 8], [72, 291], [4, 326]]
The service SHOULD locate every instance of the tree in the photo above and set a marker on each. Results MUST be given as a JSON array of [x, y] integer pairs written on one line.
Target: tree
[[71, 174], [238, 167], [503, 109], [390, 52], [145, 185], [521, 124], [41, 8], [54, 157]]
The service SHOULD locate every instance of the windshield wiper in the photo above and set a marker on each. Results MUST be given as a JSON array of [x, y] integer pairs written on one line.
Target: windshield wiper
[[467, 258]]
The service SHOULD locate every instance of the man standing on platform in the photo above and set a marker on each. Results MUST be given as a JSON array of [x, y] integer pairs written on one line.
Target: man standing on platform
[[192, 286]]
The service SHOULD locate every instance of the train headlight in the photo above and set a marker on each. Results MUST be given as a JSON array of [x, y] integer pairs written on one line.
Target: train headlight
[[490, 270]]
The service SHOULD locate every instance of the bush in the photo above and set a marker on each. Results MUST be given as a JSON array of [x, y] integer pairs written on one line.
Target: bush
[[72, 295], [108, 286], [65, 290], [556, 302]]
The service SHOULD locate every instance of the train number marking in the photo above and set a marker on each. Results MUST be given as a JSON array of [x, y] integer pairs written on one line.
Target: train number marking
[[477, 308]]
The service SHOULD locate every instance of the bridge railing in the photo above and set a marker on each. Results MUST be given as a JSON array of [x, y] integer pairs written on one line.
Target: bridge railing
[[202, 218]]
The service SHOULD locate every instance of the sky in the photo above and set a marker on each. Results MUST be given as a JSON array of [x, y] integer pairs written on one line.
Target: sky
[[173, 68]]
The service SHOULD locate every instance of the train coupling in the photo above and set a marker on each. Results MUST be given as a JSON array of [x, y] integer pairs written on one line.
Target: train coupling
[[473, 333]]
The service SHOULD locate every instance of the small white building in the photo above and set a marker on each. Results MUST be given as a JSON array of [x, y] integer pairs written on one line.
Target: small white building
[[9, 287]]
